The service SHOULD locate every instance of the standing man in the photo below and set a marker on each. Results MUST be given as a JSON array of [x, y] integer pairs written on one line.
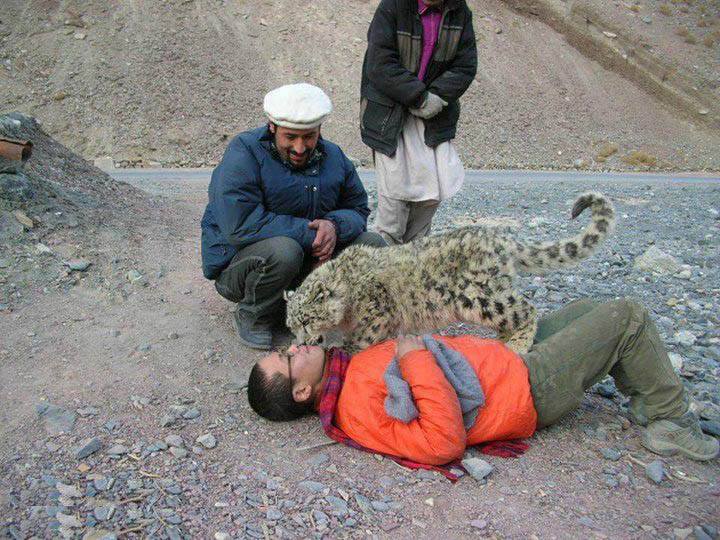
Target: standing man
[[281, 201], [421, 58]]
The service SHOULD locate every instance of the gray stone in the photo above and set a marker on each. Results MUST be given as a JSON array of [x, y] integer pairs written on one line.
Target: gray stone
[[610, 481], [156, 446], [587, 522], [380, 506], [134, 485], [87, 411], [56, 419], [339, 506], [655, 471], [479, 523], [145, 347], [320, 517], [172, 488], [477, 468], [103, 513], [117, 450], [363, 503], [179, 453], [710, 427], [685, 338], [676, 360], [175, 440], [48, 480], [104, 163], [234, 388], [647, 20], [191, 414], [111, 425], [682, 534], [312, 486], [318, 459], [102, 484], [207, 440], [605, 390], [273, 514], [133, 276], [69, 521], [67, 490], [700, 534], [88, 447], [139, 402], [611, 454], [655, 260], [78, 265], [168, 420]]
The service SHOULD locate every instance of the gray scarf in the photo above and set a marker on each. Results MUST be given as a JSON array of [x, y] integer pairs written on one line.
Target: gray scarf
[[399, 403]]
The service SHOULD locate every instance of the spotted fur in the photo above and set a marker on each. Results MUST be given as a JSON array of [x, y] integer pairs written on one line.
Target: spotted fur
[[373, 294]]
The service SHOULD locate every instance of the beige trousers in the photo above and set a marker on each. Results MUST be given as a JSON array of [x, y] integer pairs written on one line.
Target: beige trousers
[[400, 222]]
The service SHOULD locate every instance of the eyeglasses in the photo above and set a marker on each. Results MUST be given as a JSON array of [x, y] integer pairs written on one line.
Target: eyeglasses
[[289, 362], [288, 358]]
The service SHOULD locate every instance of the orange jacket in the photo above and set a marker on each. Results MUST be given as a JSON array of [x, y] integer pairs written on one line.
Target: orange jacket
[[437, 436]]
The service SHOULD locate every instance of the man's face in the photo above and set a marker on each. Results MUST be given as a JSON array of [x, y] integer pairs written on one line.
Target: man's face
[[306, 368], [295, 145]]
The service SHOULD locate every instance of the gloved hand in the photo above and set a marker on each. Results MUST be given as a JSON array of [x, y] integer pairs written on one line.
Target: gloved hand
[[432, 105]]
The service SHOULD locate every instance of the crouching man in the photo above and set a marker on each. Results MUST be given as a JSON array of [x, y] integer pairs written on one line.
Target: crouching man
[[281, 201], [427, 399]]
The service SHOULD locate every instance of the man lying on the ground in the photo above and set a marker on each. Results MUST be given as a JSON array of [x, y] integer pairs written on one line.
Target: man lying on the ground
[[418, 399]]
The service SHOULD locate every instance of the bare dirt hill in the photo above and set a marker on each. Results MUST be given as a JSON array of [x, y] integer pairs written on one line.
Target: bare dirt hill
[[161, 82]]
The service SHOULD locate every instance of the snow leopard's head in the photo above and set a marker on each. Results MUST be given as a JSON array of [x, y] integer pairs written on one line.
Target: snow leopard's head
[[313, 310]]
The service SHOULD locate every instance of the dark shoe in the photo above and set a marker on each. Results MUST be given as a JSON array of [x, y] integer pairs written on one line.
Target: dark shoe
[[680, 435], [253, 334]]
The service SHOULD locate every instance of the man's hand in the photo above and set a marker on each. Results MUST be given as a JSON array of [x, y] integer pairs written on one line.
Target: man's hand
[[406, 344], [325, 239], [432, 105]]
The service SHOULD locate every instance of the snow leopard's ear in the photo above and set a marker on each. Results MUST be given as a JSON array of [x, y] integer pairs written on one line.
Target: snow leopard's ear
[[287, 295]]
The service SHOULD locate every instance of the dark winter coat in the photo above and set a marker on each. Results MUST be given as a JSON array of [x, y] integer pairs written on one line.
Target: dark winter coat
[[253, 195], [389, 77]]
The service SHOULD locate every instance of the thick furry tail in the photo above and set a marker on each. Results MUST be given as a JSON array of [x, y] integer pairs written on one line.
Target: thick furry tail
[[538, 258]]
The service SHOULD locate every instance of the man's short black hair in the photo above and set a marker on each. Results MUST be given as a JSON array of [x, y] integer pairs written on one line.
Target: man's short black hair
[[272, 397]]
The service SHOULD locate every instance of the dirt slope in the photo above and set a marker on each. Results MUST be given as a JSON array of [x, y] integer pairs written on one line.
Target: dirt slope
[[160, 82]]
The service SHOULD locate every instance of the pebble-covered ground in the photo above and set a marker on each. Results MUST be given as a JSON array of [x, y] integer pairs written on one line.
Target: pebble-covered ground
[[124, 415]]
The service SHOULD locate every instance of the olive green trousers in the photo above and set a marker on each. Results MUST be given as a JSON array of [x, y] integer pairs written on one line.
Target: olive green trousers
[[578, 345]]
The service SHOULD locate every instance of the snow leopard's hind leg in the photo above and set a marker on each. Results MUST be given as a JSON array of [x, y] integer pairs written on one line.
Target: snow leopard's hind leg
[[522, 321]]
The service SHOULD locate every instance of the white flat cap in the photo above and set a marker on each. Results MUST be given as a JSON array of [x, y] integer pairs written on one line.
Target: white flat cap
[[297, 106]]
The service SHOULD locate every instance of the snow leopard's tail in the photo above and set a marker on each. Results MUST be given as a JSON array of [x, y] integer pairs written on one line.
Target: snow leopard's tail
[[538, 258]]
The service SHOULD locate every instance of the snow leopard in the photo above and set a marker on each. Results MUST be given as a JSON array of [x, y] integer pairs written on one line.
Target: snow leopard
[[371, 294]]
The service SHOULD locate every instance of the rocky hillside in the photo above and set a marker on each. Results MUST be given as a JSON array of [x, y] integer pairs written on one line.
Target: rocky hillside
[[168, 83], [60, 215]]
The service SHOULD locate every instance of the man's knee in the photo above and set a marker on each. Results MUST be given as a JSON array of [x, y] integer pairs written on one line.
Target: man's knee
[[370, 238], [285, 256], [630, 309]]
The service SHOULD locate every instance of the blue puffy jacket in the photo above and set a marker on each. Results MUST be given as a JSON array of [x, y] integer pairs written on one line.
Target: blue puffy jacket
[[254, 196]]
